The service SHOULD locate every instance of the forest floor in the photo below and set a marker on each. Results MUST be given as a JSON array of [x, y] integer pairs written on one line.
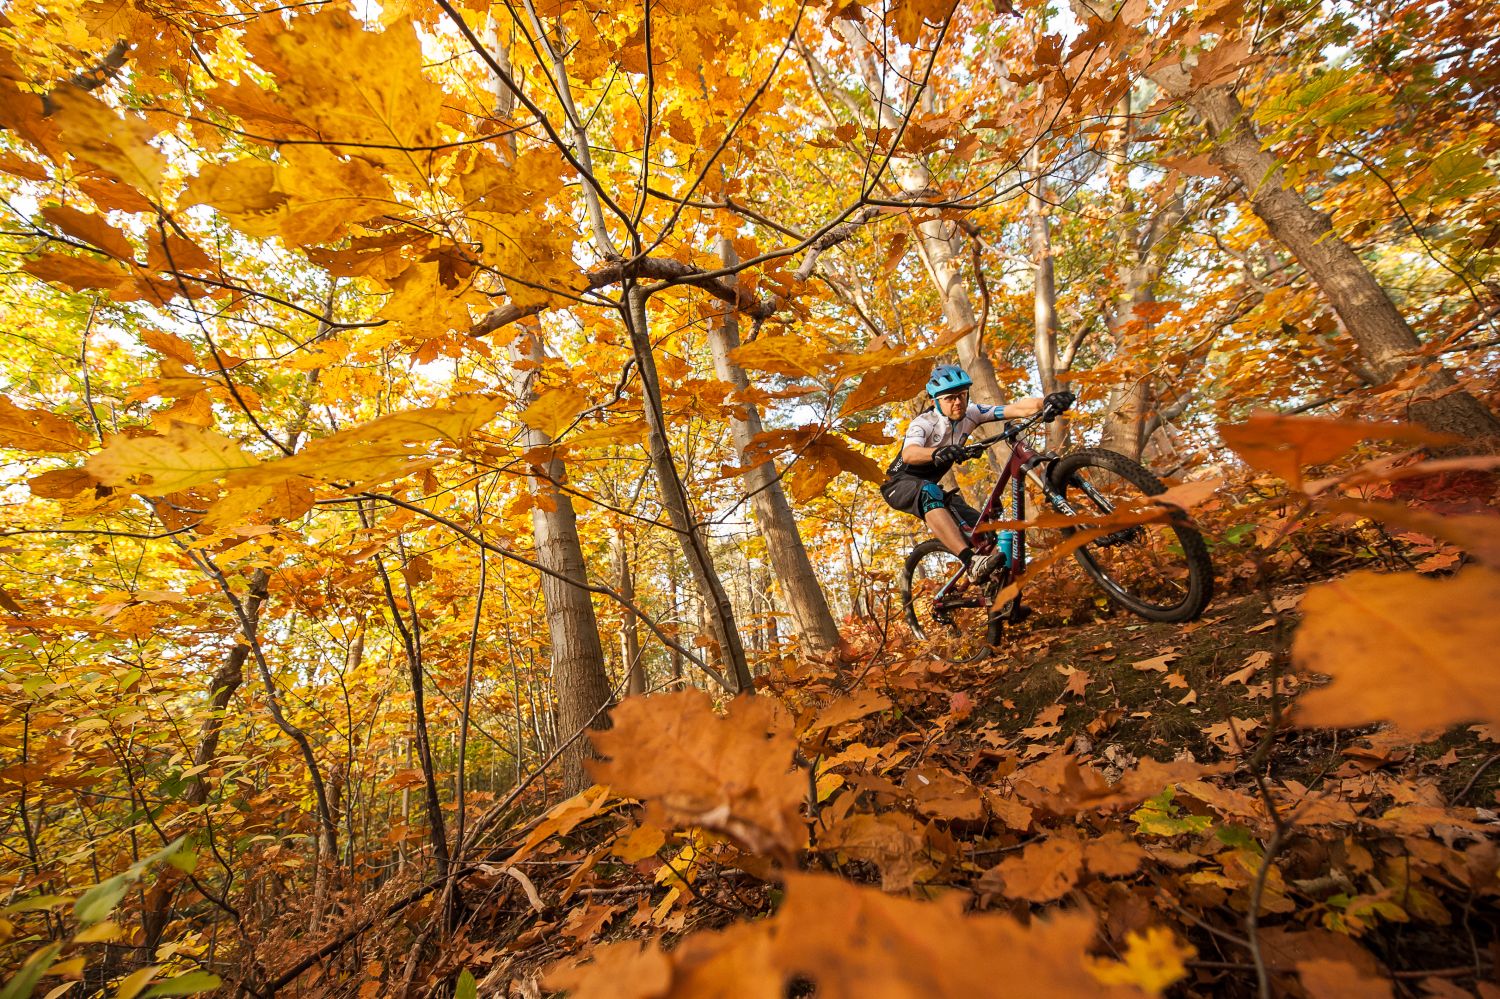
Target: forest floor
[[1012, 784]]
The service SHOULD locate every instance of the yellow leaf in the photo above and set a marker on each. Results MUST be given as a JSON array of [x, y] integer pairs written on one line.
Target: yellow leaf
[[95, 132], [349, 84], [605, 434], [785, 355], [1153, 960], [555, 409], [98, 932], [1401, 648], [456, 422], [183, 457], [73, 966], [423, 304], [37, 430], [642, 842], [131, 985]]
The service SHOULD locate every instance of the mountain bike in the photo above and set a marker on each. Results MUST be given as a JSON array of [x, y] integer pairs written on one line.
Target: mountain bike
[[1146, 557]]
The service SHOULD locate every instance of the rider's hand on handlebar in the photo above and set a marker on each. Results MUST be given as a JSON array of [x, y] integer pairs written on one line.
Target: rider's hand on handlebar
[[949, 454], [1057, 403]]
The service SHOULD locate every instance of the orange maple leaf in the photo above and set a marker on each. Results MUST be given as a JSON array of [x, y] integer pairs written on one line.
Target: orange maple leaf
[[693, 767]]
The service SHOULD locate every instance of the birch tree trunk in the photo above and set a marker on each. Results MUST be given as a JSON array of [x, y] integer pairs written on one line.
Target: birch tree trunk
[[773, 513], [1389, 345], [939, 239]]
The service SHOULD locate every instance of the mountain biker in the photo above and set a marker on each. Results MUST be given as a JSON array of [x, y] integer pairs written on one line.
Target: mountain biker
[[933, 443]]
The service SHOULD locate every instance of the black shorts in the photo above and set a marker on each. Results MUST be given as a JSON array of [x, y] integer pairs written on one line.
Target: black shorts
[[916, 496]]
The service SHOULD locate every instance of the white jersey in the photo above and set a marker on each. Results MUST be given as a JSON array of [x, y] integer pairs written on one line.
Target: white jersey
[[933, 429]]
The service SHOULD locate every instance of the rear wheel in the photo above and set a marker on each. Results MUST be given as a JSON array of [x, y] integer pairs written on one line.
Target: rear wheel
[[951, 618], [1160, 571]]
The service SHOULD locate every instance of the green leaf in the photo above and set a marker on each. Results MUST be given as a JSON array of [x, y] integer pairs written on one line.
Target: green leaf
[[100, 900], [189, 984], [1237, 836], [1160, 817], [32, 904], [21, 986], [466, 988]]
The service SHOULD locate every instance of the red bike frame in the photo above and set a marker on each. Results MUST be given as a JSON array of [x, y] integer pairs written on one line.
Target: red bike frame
[[1022, 460]]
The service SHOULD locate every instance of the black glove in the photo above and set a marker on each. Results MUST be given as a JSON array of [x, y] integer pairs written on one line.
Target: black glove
[[949, 454], [1058, 402]]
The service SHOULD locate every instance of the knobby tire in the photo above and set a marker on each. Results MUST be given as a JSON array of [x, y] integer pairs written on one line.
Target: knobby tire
[[1161, 572]]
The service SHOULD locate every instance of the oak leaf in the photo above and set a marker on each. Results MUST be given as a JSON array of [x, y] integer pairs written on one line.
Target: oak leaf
[[693, 767], [893, 841], [1113, 855], [1061, 785], [1043, 872], [639, 843], [846, 709], [629, 969], [184, 457], [1402, 648], [943, 794]]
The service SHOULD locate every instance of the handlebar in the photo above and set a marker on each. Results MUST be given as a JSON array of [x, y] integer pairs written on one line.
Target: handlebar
[[1055, 406]]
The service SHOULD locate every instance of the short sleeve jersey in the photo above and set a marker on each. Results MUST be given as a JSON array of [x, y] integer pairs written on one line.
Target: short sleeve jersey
[[933, 429]]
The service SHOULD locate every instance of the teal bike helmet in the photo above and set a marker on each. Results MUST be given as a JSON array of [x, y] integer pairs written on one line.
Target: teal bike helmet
[[947, 378]]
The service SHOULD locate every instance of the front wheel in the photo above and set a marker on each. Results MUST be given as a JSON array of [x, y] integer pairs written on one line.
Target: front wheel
[[952, 617], [1160, 571]]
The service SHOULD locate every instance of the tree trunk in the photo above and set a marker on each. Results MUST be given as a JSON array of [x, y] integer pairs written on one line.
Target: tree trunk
[[630, 636], [677, 620], [690, 534], [773, 514], [157, 910], [1044, 296], [1127, 410], [1390, 346], [940, 241], [577, 657]]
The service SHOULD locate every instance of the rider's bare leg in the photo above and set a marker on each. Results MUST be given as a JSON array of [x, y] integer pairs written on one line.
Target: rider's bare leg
[[944, 527]]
